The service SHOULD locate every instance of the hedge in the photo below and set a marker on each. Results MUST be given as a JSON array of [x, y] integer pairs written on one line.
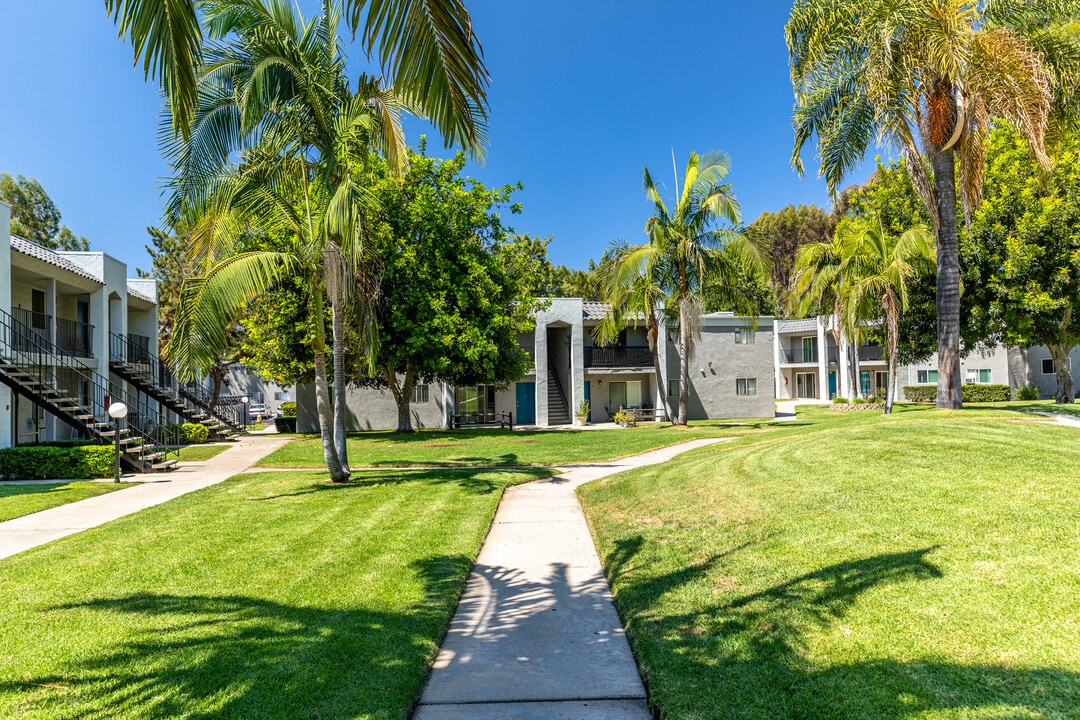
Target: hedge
[[969, 393], [288, 409], [36, 462], [285, 424], [195, 433]]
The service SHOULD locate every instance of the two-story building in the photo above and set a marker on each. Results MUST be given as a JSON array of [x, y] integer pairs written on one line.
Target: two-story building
[[730, 377], [811, 365]]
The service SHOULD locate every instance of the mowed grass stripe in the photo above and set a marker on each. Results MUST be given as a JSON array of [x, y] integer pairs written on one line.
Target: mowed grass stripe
[[274, 595], [925, 565]]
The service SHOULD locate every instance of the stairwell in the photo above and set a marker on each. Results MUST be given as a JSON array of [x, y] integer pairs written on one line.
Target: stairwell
[[558, 412]]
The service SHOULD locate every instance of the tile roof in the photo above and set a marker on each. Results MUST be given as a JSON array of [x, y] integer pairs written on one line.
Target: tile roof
[[46, 255], [795, 326], [141, 296], [593, 310]]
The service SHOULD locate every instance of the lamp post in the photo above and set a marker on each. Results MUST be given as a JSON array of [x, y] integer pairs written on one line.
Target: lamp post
[[245, 401], [117, 411]]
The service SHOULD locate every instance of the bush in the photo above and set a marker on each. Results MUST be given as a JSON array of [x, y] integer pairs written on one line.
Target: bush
[[285, 424], [59, 443], [37, 462], [194, 433], [920, 393], [1028, 392], [288, 409], [839, 401], [624, 417], [985, 393]]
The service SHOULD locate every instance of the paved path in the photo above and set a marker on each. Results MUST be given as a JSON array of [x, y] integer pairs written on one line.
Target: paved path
[[29, 531], [536, 635]]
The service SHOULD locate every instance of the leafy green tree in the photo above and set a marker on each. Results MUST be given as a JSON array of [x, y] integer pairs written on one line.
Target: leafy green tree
[[928, 77], [682, 263], [274, 90], [1028, 228], [427, 48], [455, 290], [782, 233], [35, 216], [170, 264]]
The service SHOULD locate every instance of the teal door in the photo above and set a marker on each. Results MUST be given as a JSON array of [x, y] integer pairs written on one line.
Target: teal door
[[832, 383], [525, 407], [588, 399]]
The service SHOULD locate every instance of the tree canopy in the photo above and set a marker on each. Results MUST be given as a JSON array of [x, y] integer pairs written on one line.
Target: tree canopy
[[34, 215]]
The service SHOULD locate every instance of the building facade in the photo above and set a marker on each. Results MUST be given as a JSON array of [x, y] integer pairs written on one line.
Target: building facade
[[730, 377]]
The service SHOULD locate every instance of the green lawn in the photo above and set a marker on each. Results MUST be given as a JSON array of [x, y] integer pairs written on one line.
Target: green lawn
[[924, 565], [462, 448], [272, 595], [199, 453], [17, 500]]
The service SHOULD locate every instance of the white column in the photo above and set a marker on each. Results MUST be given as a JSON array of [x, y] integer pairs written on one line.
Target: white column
[[823, 360], [779, 379], [844, 368], [7, 406]]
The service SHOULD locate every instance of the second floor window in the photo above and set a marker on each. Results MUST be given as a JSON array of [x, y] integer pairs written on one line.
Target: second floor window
[[745, 336]]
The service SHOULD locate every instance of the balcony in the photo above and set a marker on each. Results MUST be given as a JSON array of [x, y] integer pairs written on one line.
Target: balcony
[[794, 356], [618, 357], [871, 353], [72, 336]]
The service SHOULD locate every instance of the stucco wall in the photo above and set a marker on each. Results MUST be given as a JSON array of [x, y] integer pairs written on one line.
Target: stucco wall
[[1025, 368], [719, 361], [995, 359], [372, 409]]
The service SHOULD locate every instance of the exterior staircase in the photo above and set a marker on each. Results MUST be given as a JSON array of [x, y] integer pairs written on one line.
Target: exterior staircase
[[133, 361], [65, 387], [558, 412]]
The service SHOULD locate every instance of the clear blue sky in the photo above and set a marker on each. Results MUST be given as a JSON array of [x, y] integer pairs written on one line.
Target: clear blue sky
[[584, 94]]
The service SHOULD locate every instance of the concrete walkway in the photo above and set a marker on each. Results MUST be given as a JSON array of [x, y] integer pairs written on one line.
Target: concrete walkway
[[29, 531], [536, 635]]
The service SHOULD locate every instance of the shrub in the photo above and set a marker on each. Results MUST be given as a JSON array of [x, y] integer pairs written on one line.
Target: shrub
[[582, 409], [285, 424], [37, 462], [880, 393], [624, 417], [59, 443], [920, 393], [288, 409], [1028, 392], [840, 401], [195, 434], [985, 393]]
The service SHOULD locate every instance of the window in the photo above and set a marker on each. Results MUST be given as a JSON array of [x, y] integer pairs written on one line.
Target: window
[[979, 376], [673, 387], [420, 393], [881, 381], [475, 403], [809, 349], [745, 336], [927, 377], [746, 386], [624, 394], [1048, 366], [864, 383]]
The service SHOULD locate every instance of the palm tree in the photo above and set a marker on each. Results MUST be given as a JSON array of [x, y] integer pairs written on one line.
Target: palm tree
[[927, 77], [687, 256], [427, 48], [274, 91], [876, 270]]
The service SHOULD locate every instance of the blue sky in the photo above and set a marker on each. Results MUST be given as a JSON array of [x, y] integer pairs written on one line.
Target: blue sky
[[584, 95]]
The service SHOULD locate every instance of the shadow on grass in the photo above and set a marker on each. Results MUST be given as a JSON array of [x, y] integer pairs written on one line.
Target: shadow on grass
[[750, 653], [481, 481], [213, 656], [14, 490]]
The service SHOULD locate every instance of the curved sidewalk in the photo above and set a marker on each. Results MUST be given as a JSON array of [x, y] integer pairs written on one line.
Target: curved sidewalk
[[536, 634], [29, 531]]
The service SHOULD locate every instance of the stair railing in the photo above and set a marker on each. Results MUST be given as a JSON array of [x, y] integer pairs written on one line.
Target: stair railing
[[52, 366], [552, 372]]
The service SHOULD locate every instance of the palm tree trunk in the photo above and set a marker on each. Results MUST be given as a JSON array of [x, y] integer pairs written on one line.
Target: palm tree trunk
[[340, 405], [948, 283], [684, 364], [892, 330], [1060, 353], [322, 394], [661, 385]]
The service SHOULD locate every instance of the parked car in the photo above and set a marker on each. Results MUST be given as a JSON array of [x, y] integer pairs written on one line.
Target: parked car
[[257, 410]]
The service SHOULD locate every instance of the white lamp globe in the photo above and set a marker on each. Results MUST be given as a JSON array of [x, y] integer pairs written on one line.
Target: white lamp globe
[[118, 410], [244, 399]]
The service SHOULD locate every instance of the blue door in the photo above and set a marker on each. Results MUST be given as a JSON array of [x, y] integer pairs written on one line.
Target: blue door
[[832, 383], [525, 408], [588, 399]]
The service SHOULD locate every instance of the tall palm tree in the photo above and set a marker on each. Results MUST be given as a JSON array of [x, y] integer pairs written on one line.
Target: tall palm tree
[[927, 77], [688, 254], [273, 90], [876, 270], [427, 48]]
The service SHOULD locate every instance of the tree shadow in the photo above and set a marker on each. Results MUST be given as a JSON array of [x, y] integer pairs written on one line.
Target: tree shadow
[[752, 653], [481, 481], [215, 656]]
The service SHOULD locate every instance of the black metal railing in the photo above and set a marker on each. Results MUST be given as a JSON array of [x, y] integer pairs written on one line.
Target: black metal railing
[[634, 357], [228, 409], [871, 353], [504, 420], [554, 373], [57, 375], [800, 355], [75, 337]]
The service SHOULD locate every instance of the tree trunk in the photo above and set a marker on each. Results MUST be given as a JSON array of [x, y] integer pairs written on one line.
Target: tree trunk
[[322, 395], [340, 405], [892, 342], [217, 374], [684, 364], [402, 397], [948, 283], [1060, 353], [661, 384]]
